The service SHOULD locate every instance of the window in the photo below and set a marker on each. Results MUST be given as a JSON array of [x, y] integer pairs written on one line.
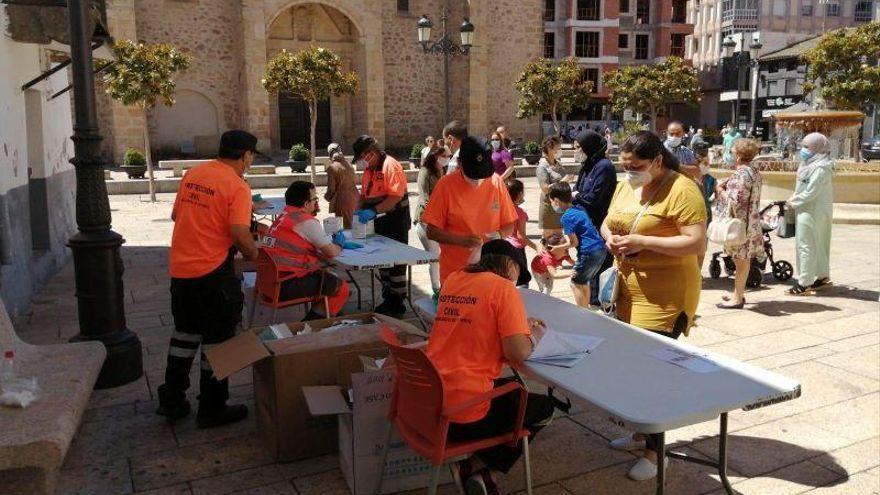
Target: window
[[622, 41], [864, 11], [679, 11], [586, 44], [832, 10], [592, 74], [403, 5], [624, 5], [807, 8], [549, 45], [588, 10], [641, 47], [677, 48], [791, 87], [549, 10], [643, 12], [779, 7], [737, 10]]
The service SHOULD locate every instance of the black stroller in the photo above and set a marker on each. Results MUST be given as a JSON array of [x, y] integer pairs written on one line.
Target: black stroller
[[782, 270]]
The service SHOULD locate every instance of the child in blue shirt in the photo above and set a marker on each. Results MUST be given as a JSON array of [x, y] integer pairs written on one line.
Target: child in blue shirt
[[581, 234]]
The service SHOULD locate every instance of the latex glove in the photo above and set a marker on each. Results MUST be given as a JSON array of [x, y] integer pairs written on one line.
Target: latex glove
[[366, 215], [339, 239], [351, 245]]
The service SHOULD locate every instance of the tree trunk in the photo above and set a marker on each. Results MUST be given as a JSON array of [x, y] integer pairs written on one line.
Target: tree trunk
[[555, 121], [313, 121], [654, 119], [151, 179]]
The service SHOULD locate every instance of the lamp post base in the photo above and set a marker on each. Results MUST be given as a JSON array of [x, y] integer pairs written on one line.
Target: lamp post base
[[124, 362]]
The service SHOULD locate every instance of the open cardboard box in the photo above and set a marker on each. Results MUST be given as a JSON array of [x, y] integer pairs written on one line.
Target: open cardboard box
[[283, 366], [362, 412]]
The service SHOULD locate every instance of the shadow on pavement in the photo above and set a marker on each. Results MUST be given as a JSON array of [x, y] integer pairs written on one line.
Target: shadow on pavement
[[784, 308], [850, 292]]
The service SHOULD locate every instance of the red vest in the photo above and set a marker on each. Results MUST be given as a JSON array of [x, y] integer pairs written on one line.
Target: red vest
[[291, 252]]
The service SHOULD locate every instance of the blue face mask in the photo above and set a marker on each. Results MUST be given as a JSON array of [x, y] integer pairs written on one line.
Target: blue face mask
[[806, 154], [558, 209]]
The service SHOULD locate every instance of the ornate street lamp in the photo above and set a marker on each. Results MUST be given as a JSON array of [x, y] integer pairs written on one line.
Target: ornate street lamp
[[744, 60], [445, 46]]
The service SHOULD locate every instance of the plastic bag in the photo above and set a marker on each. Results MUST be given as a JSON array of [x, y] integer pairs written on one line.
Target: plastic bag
[[19, 392]]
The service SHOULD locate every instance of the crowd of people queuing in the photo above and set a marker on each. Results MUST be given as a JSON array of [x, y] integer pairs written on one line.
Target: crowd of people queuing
[[652, 226]]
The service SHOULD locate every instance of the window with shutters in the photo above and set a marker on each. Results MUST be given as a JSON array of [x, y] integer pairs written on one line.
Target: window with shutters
[[586, 44]]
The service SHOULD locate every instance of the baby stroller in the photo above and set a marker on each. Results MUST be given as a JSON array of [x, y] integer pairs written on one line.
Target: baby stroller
[[782, 270]]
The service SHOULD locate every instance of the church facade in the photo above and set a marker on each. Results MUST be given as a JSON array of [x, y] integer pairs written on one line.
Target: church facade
[[402, 95]]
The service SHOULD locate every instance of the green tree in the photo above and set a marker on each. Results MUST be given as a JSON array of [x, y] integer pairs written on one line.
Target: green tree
[[140, 76], [545, 87], [314, 74], [650, 89], [843, 66]]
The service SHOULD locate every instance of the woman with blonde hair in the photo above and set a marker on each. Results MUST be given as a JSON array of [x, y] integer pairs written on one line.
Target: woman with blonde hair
[[739, 196]]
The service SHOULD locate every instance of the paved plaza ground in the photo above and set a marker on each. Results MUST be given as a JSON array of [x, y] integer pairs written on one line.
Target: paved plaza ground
[[826, 442]]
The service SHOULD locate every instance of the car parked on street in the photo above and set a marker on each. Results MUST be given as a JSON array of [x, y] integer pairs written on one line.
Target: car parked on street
[[871, 148]]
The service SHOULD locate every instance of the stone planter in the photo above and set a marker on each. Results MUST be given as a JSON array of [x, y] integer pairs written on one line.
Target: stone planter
[[298, 166], [532, 159], [134, 171]]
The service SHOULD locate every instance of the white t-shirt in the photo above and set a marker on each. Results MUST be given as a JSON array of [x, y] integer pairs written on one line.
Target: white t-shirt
[[453, 163], [425, 152], [312, 231]]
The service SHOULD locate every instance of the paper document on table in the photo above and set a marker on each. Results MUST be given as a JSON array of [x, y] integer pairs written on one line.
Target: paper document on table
[[563, 349], [687, 360], [366, 249]]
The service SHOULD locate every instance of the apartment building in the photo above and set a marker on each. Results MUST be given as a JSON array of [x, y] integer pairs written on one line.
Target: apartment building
[[604, 35], [780, 23]]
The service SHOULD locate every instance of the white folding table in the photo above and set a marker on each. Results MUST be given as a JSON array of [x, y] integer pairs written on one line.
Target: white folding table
[[642, 393], [381, 252], [275, 207]]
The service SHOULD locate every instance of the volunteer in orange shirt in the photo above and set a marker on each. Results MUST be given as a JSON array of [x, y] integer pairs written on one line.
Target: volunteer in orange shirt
[[383, 192], [212, 218], [468, 207], [480, 326]]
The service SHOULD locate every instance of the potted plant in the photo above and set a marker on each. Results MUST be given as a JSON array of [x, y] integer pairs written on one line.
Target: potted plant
[[134, 164], [298, 158], [415, 154], [532, 152]]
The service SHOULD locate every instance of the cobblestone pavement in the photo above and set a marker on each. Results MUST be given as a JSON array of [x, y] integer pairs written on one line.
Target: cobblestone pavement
[[825, 442]]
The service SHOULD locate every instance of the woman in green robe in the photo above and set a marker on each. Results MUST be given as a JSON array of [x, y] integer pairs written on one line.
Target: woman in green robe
[[813, 204]]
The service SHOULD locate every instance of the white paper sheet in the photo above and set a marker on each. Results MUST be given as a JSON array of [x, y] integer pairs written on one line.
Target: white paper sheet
[[563, 349], [687, 360]]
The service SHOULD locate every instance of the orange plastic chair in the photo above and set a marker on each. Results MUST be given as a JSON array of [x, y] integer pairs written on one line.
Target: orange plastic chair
[[420, 413], [267, 289]]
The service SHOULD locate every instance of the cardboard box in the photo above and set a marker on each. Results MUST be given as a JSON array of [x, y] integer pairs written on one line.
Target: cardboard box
[[282, 367], [362, 413]]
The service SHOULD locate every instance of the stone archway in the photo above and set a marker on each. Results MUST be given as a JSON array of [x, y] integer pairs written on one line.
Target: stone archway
[[193, 118], [295, 27]]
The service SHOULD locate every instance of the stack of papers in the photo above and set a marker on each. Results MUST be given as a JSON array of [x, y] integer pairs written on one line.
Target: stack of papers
[[563, 349], [690, 361]]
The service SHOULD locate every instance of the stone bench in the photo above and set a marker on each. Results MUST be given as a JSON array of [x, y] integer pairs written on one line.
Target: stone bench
[[261, 170], [34, 440], [180, 165]]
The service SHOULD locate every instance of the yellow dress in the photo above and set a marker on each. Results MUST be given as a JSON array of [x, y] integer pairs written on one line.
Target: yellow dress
[[656, 288]]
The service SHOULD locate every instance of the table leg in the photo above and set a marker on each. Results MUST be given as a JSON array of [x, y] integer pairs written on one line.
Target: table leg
[[412, 306], [373, 288], [660, 445], [722, 455], [356, 286]]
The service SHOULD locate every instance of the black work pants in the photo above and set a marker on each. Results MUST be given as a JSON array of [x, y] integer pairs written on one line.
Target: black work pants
[[499, 420], [206, 311], [394, 225]]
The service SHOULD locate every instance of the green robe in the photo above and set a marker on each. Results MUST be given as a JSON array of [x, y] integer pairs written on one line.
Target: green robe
[[813, 202]]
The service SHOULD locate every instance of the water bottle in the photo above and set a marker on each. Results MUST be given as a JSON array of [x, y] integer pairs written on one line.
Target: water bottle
[[7, 372]]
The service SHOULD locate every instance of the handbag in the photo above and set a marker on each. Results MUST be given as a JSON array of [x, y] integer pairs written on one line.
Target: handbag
[[609, 287], [731, 231]]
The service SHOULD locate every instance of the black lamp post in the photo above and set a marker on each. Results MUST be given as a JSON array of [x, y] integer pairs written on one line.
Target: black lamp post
[[445, 46], [744, 61], [96, 261]]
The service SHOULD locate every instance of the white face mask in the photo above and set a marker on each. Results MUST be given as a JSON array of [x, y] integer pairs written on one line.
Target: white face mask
[[580, 156], [673, 141], [443, 161], [496, 144], [638, 178]]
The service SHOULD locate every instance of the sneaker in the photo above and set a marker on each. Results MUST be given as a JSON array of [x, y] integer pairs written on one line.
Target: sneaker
[[627, 443], [481, 483], [224, 416], [644, 469], [461, 471], [392, 308], [174, 411]]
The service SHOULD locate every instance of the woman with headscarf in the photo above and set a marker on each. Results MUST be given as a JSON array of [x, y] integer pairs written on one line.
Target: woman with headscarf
[[595, 186], [813, 203]]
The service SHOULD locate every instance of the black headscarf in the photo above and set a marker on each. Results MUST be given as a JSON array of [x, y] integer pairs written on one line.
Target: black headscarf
[[593, 145]]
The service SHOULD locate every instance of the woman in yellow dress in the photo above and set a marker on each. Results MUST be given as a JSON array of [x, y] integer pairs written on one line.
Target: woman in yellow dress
[[660, 280]]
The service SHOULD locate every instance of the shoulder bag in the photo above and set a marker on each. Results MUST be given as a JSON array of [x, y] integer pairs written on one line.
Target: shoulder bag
[[731, 231]]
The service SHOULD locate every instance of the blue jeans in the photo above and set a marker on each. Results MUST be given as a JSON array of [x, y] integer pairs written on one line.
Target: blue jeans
[[587, 266]]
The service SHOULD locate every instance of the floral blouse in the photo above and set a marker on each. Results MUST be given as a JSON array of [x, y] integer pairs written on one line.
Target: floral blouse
[[743, 194]]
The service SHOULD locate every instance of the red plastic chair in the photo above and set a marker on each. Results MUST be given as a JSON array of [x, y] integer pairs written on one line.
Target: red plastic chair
[[422, 418], [267, 289]]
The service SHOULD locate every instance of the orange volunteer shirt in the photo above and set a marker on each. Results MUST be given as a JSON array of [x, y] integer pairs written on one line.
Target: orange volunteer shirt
[[211, 198], [458, 207], [390, 181], [475, 312]]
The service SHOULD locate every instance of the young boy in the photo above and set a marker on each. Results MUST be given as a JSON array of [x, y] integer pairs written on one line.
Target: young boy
[[545, 265], [583, 236]]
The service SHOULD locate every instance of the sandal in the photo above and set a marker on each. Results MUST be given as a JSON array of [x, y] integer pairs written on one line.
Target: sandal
[[822, 283], [800, 290], [731, 306]]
